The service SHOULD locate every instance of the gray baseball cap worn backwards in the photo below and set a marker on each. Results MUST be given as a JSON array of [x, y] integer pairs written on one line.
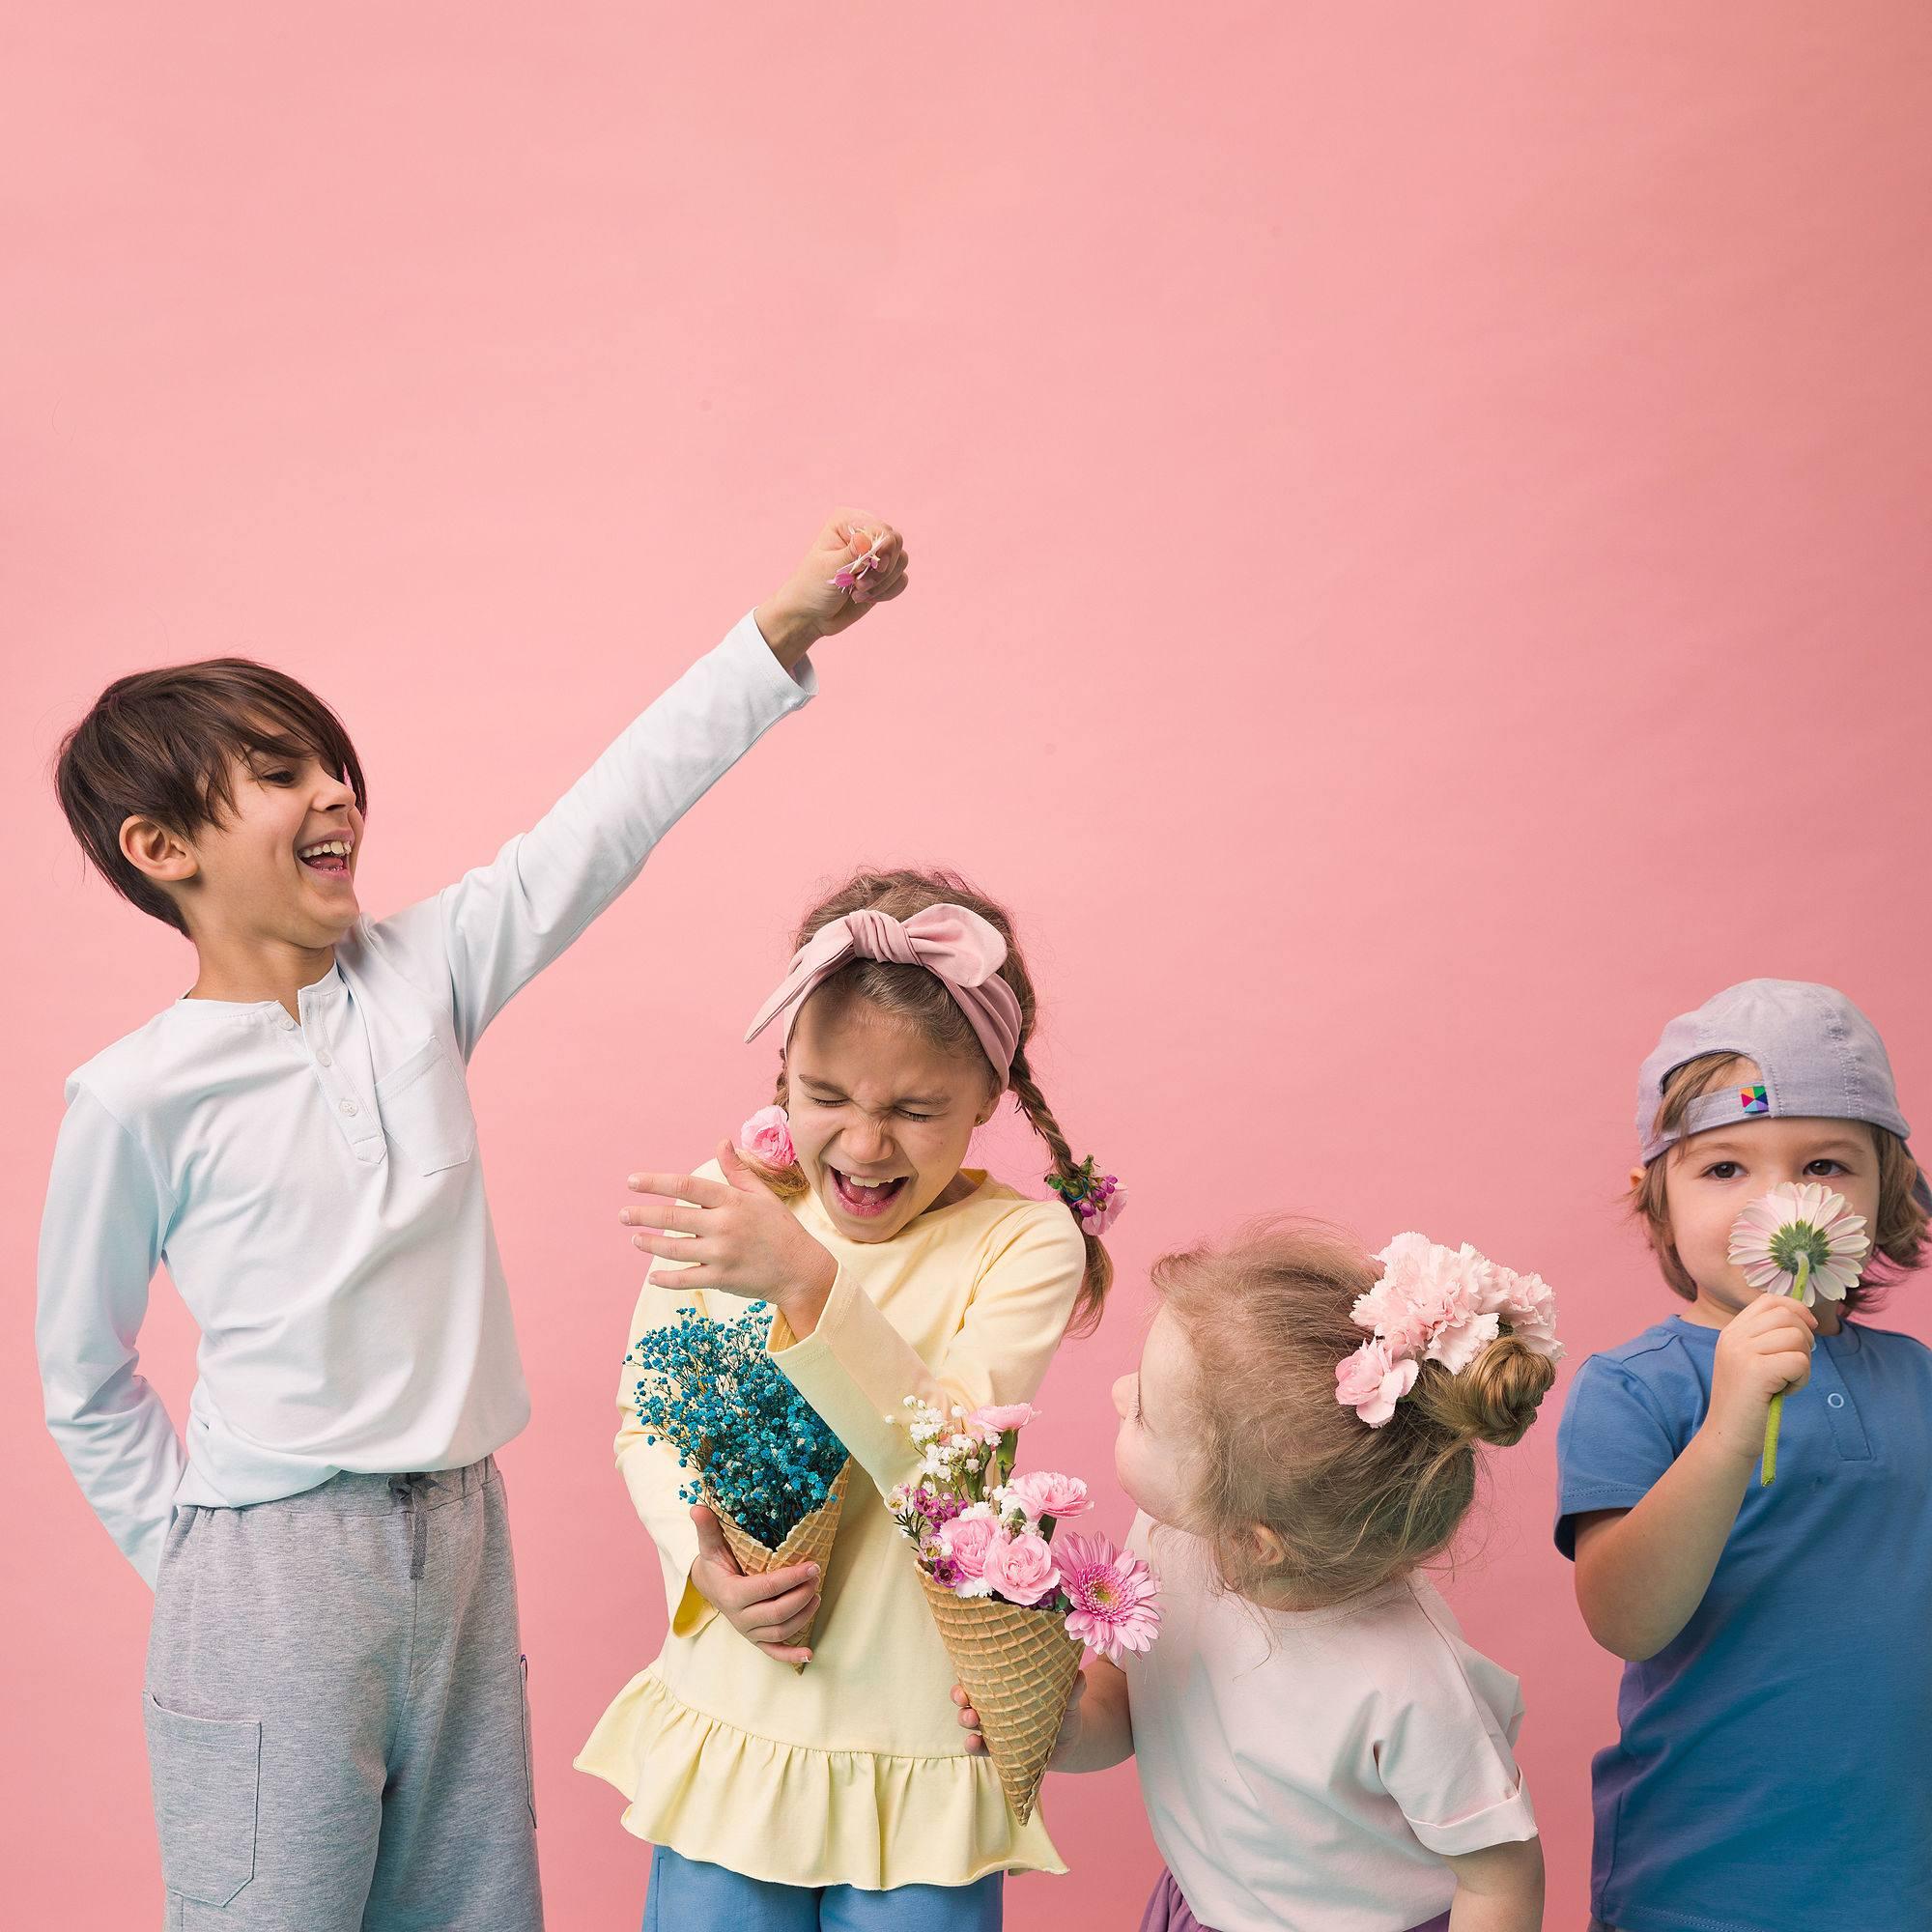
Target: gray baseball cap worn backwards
[[1816, 1056]]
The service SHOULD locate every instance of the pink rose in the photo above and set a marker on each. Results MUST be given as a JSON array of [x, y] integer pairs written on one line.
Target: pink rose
[[768, 1135], [966, 1540], [1372, 1381], [997, 1421], [1041, 1494], [1021, 1568]]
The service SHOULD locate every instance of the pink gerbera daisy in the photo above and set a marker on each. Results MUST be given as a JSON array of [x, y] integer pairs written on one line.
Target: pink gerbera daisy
[[1111, 1595]]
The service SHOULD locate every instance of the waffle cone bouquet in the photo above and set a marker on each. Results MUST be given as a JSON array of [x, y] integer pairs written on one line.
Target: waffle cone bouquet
[[754, 1451], [1016, 1603]]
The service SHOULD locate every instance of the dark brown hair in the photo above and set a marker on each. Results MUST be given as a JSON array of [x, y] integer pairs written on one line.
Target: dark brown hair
[[911, 994], [1269, 1321], [160, 744], [1898, 1227]]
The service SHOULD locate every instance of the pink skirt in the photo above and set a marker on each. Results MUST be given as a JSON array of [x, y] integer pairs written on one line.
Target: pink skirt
[[1168, 1912]]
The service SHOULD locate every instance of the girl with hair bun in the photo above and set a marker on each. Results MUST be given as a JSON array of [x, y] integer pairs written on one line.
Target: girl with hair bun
[[839, 1794], [1316, 1744]]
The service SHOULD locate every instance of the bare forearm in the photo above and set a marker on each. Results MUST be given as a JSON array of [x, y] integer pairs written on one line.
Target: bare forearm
[[1640, 1577], [1106, 1734], [1499, 1889]]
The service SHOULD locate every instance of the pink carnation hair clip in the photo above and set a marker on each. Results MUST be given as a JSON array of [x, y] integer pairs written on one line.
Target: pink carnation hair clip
[[1098, 1200], [1437, 1305], [868, 564]]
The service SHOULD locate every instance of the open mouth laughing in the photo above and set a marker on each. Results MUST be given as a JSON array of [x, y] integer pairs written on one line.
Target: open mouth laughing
[[865, 1200], [328, 856]]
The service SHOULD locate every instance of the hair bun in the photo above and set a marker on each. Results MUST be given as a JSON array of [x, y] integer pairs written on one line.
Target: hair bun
[[1494, 1400]]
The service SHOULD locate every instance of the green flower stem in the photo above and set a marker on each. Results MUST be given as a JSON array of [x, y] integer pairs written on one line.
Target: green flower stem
[[1777, 1411]]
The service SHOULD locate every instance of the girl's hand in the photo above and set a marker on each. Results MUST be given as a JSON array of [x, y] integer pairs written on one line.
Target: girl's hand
[[1764, 1350], [1070, 1726], [738, 1237], [808, 606], [772, 1611]]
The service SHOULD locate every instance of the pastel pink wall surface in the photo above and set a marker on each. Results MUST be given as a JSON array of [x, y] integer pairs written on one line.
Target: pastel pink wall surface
[[1421, 574]]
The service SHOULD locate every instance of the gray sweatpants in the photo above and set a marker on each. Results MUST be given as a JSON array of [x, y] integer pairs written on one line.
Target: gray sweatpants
[[337, 1726]]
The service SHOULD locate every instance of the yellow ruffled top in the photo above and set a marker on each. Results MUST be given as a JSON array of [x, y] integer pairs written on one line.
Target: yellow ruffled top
[[852, 1772]]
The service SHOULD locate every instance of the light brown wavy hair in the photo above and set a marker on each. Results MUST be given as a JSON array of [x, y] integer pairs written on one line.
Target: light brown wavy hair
[[920, 999], [1898, 1227], [1268, 1319]]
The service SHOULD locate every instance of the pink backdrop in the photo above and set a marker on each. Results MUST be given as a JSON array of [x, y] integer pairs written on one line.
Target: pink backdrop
[[1421, 574]]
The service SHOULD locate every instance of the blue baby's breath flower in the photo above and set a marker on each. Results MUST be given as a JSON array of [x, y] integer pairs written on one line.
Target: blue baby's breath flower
[[710, 1390]]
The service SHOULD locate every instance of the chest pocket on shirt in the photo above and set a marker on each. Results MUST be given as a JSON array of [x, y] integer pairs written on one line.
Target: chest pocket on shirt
[[425, 1108]]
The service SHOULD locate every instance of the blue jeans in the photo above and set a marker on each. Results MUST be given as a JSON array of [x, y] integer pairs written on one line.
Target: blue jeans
[[687, 1896]]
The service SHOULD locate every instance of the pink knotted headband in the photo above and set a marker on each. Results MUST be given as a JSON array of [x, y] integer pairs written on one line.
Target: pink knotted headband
[[963, 952]]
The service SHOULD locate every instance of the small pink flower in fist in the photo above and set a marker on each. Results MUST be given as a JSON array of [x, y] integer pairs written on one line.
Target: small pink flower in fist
[[767, 1134], [1021, 1568], [1041, 1494], [997, 1421], [1370, 1384]]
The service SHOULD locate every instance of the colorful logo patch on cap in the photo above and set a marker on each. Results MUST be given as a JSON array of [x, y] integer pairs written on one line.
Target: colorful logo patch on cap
[[1752, 1100]]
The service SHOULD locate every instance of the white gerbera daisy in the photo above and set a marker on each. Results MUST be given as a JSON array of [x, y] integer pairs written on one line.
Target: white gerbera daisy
[[1799, 1240]]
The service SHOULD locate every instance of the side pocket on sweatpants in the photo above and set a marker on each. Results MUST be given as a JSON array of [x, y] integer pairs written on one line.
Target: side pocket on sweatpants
[[530, 1756], [207, 1774]]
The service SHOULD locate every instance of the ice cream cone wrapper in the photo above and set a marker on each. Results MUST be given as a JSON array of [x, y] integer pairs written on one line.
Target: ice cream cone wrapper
[[809, 1541], [1018, 1666]]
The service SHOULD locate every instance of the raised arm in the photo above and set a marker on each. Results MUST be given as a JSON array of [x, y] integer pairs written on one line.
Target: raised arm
[[102, 1236], [500, 925]]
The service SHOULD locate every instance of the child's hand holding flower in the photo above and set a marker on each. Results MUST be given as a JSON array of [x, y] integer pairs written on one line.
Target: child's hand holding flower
[[734, 1235], [812, 603], [1764, 1351], [1797, 1243], [774, 1611]]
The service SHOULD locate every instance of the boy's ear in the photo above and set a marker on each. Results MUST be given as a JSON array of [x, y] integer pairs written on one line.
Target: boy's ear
[[156, 852]]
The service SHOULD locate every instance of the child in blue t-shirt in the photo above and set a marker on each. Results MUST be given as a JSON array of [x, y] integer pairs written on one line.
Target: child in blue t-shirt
[[1773, 1772]]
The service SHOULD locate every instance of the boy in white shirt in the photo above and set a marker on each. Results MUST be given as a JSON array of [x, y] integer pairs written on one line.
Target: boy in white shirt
[[336, 1722]]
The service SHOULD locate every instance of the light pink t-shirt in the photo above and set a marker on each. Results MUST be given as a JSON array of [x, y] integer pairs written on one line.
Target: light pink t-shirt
[[1306, 1771]]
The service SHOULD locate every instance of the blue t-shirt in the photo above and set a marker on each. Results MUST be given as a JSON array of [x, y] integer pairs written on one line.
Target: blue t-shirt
[[1775, 1771]]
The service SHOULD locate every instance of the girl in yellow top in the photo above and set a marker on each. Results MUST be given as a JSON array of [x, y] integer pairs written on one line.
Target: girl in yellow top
[[843, 1795]]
